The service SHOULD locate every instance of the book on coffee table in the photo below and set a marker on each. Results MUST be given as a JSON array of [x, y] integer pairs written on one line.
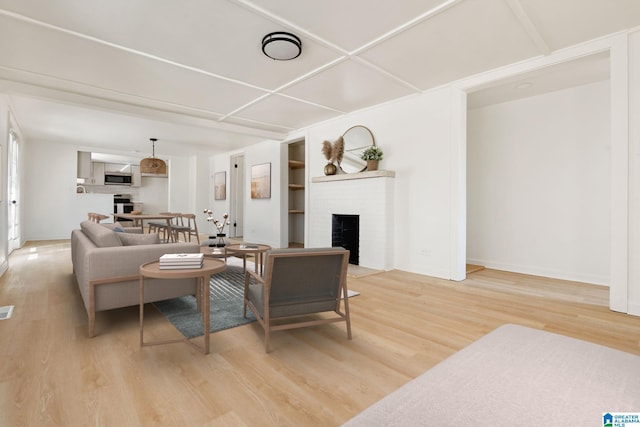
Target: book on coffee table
[[177, 261], [180, 267], [181, 257]]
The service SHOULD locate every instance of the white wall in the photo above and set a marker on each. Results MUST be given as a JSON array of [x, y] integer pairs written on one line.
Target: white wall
[[48, 191], [538, 185], [188, 187], [263, 221], [219, 163], [633, 291], [153, 192], [4, 138], [415, 134]]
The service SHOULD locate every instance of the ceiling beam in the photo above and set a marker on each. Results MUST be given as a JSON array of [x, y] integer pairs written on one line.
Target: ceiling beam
[[529, 27]]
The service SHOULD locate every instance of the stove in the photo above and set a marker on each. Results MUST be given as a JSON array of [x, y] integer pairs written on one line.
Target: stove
[[122, 203]]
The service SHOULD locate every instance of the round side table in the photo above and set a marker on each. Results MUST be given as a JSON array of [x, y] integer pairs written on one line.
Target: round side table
[[243, 249], [152, 270]]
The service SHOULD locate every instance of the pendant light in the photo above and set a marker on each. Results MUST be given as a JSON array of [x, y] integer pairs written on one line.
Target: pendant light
[[152, 165]]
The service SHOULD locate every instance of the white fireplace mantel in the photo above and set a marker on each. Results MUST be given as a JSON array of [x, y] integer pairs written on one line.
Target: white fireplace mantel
[[359, 175]]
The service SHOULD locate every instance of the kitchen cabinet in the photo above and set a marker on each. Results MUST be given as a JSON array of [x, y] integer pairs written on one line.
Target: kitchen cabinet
[[97, 173], [84, 164], [117, 167]]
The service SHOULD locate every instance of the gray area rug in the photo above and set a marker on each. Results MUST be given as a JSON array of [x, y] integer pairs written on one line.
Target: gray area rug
[[226, 296]]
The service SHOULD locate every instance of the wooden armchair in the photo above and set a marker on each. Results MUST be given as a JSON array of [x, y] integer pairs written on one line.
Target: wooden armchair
[[298, 282]]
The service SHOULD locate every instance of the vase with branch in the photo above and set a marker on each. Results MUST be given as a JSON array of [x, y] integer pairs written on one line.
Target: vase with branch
[[333, 153], [219, 225]]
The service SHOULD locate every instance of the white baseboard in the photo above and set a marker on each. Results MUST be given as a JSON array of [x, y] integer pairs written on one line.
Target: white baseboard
[[633, 309], [543, 272]]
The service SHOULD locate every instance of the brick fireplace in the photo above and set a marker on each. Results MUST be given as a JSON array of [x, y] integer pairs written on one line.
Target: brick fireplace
[[367, 195]]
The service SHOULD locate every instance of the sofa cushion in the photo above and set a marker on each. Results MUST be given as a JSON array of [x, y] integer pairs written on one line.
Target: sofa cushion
[[116, 226], [101, 236], [130, 239]]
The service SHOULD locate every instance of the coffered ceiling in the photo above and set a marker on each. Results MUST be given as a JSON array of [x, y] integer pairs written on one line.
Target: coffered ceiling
[[114, 73]]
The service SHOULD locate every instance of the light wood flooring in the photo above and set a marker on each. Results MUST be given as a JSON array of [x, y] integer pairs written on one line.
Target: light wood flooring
[[51, 374]]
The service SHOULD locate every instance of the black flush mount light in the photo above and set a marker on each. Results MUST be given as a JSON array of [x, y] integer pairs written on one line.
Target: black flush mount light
[[281, 46]]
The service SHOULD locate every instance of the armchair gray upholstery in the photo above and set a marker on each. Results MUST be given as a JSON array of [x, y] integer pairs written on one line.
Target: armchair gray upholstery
[[298, 282]]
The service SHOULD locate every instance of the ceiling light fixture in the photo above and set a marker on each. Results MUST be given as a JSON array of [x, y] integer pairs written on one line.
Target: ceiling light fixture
[[152, 165], [281, 46]]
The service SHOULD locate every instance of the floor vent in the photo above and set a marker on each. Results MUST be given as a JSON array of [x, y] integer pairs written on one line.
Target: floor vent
[[6, 312]]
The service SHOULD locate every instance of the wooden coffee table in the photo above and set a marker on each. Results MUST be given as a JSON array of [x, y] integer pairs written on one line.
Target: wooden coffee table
[[214, 252], [202, 275], [244, 249]]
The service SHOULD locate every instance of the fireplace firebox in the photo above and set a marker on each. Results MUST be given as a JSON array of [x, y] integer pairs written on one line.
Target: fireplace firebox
[[345, 232]]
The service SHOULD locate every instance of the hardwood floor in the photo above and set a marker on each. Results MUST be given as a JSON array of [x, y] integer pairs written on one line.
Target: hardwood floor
[[51, 374]]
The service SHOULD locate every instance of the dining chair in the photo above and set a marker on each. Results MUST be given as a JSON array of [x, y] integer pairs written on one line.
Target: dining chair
[[96, 217], [187, 227], [160, 227]]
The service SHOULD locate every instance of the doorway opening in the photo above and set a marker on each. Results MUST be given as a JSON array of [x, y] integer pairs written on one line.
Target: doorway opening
[[236, 196], [538, 158], [13, 193]]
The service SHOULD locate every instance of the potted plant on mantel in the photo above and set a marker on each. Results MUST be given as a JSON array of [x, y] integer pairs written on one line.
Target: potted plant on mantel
[[372, 155]]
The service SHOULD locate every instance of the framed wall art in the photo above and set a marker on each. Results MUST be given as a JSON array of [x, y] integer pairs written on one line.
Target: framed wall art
[[261, 181], [220, 185]]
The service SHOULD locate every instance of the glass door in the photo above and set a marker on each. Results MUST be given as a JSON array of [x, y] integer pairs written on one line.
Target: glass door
[[13, 191]]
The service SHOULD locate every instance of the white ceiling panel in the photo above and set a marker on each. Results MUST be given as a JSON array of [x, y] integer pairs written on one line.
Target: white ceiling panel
[[348, 86], [485, 36], [197, 66], [564, 23], [286, 112], [214, 36], [69, 58], [267, 127], [348, 24]]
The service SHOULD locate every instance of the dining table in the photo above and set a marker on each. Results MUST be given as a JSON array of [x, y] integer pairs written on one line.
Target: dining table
[[138, 219]]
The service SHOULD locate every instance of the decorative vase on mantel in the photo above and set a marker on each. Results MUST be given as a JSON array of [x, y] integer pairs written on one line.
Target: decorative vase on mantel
[[372, 165], [330, 169]]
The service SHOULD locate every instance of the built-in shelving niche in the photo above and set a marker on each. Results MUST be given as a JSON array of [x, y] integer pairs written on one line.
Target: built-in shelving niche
[[296, 193]]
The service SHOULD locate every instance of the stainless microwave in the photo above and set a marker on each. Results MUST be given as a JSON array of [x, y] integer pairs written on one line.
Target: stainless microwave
[[117, 178]]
